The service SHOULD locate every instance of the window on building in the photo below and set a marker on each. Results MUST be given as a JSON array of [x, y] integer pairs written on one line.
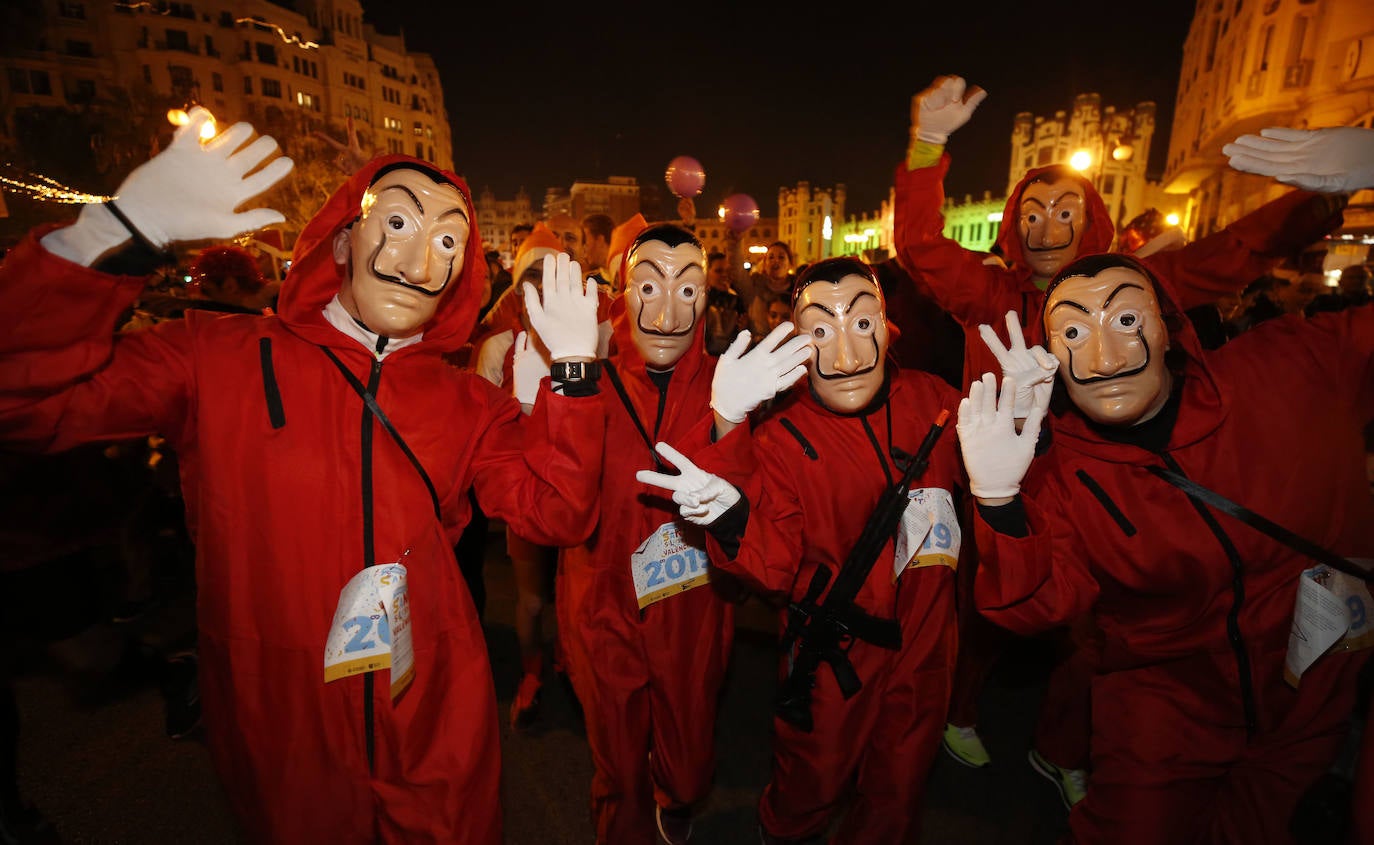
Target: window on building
[[307, 101], [18, 80], [1109, 183], [418, 129], [40, 83], [147, 74], [1045, 156], [82, 91], [1212, 45], [177, 39], [266, 53], [73, 11], [248, 85], [210, 47], [271, 88], [182, 79], [1266, 40], [217, 82], [1296, 41], [419, 149], [80, 49]]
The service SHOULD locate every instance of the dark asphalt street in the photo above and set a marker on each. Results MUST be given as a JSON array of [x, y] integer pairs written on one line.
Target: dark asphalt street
[[95, 759]]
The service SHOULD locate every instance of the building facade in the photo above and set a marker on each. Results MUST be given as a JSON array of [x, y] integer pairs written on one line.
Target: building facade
[[321, 67], [1249, 65]]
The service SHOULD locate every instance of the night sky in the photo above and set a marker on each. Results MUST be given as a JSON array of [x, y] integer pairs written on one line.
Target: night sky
[[767, 95]]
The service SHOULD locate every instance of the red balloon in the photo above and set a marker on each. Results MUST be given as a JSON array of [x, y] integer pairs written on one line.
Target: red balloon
[[685, 176], [741, 212]]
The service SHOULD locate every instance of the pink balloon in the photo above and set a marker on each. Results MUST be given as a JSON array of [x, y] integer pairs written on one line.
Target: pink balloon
[[685, 176], [741, 212]]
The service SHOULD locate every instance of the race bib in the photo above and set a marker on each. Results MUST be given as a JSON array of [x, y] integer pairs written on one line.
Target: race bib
[[929, 533], [1332, 610], [665, 564], [371, 628]]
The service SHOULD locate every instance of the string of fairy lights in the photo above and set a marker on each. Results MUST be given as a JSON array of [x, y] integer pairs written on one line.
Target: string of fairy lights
[[162, 8], [36, 186]]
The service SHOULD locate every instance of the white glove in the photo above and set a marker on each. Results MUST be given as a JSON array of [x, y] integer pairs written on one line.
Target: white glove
[[1336, 160], [187, 192], [701, 496], [996, 457], [743, 381], [566, 319], [528, 368], [943, 107], [1032, 370]]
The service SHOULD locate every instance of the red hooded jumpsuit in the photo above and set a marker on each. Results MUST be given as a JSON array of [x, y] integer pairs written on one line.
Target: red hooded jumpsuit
[[810, 494], [974, 293], [291, 489], [648, 680], [1196, 736]]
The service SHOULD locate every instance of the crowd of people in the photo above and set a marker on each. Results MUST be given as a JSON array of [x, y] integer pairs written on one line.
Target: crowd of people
[[1132, 444]]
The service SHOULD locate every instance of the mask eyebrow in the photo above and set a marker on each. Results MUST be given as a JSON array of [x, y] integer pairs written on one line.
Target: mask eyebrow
[[1025, 201], [457, 209], [1069, 303], [820, 306], [1118, 289], [408, 192], [861, 294]]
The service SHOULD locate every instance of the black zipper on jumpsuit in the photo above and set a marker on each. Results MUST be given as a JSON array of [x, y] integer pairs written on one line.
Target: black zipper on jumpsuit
[[374, 378], [1247, 691]]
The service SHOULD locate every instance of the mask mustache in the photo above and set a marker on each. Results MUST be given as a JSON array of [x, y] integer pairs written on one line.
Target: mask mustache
[[1126, 374]]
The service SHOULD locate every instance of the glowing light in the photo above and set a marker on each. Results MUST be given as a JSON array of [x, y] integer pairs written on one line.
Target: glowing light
[[1171, 218], [39, 187], [756, 249], [995, 217], [855, 239], [281, 33], [1081, 160], [720, 212], [147, 6], [827, 231], [1123, 152], [179, 117], [868, 233]]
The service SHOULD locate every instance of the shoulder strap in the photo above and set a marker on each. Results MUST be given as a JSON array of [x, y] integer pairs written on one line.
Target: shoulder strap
[[1254, 520], [371, 402]]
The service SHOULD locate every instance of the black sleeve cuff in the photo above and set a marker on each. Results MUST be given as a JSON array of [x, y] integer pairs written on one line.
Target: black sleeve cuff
[[135, 259], [581, 387], [729, 528], [1009, 519]]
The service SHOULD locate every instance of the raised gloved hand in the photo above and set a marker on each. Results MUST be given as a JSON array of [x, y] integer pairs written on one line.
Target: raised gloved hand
[[188, 192], [1031, 370], [566, 318], [701, 496], [1335, 160], [528, 368], [745, 380], [996, 457], [943, 107]]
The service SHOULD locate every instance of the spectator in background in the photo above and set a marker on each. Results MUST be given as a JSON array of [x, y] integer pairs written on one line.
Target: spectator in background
[[569, 232], [725, 315], [1352, 289], [594, 252], [498, 281], [770, 283]]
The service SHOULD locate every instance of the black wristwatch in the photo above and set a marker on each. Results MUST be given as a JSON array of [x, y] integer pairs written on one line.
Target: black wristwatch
[[572, 371], [575, 378]]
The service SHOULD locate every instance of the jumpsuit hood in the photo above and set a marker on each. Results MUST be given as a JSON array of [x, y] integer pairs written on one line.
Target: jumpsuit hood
[[314, 279], [1097, 237]]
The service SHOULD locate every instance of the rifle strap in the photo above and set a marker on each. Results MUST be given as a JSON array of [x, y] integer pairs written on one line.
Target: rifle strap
[[1293, 540]]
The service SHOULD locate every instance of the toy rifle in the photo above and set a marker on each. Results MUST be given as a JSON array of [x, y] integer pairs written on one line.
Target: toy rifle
[[824, 631]]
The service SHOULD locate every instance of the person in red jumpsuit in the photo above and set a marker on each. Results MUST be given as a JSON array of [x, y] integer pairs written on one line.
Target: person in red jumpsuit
[[327, 453], [1051, 217], [819, 462], [1198, 736], [645, 623]]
